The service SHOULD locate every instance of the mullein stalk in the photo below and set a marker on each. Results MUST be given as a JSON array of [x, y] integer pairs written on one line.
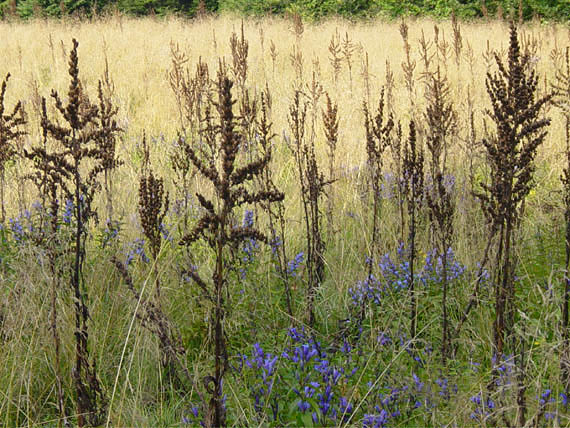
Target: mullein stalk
[[10, 124], [511, 152], [413, 166], [378, 128], [562, 101], [229, 182], [441, 121], [75, 169]]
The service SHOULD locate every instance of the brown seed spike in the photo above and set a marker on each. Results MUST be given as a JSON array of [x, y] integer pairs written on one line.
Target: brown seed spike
[[10, 132], [223, 166], [515, 111]]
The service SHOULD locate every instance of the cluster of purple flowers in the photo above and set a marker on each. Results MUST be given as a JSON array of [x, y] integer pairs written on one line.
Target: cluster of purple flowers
[[68, 211], [432, 271], [395, 275], [110, 233], [293, 265], [249, 247], [193, 418], [17, 229], [503, 367], [483, 407], [26, 226], [320, 378], [392, 184], [308, 381], [135, 249], [262, 366], [30, 225]]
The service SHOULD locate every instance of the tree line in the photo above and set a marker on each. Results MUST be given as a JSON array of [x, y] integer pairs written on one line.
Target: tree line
[[558, 10]]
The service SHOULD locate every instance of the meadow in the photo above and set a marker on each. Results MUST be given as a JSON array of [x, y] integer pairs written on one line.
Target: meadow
[[271, 222]]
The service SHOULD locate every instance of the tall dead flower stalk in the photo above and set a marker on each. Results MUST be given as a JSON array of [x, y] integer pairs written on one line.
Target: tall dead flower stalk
[[10, 131], [215, 227], [562, 101], [441, 123]]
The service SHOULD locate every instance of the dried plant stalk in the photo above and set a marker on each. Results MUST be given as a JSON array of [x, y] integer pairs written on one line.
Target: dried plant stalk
[[330, 124], [413, 174], [378, 138], [441, 123], [74, 169], [10, 132], [562, 101], [312, 184], [215, 227], [511, 152]]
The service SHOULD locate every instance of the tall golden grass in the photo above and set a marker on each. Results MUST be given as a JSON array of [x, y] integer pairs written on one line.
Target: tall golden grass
[[137, 52], [138, 55]]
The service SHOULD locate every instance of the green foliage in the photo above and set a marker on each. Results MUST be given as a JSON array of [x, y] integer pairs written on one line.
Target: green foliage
[[312, 9], [256, 7]]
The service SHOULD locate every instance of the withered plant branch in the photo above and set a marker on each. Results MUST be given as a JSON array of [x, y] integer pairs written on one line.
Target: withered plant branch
[[157, 322], [312, 184], [330, 125], [441, 120], [228, 179], [409, 65], [335, 57], [413, 175], [239, 48], [378, 128], [107, 140], [153, 206], [510, 152], [561, 86], [515, 111], [10, 132], [85, 140]]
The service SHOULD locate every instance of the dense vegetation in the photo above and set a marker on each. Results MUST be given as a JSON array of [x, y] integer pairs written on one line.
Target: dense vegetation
[[547, 9], [288, 232]]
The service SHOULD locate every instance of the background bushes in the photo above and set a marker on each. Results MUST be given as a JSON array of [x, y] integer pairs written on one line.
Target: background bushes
[[313, 9]]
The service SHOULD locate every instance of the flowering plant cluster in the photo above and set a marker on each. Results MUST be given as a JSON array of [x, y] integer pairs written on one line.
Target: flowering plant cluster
[[395, 275]]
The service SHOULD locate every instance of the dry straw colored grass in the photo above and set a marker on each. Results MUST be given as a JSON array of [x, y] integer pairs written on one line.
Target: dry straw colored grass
[[138, 54]]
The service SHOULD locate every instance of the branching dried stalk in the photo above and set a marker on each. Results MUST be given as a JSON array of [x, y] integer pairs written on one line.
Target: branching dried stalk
[[511, 152], [441, 123], [75, 169], [413, 175], [215, 227], [312, 185], [335, 57], [330, 125], [153, 205], [107, 141], [378, 138], [192, 96], [457, 39], [239, 48], [153, 318], [348, 49], [562, 101], [10, 132], [408, 66]]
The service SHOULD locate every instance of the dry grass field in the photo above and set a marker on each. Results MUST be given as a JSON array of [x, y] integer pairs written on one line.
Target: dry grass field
[[38, 384]]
